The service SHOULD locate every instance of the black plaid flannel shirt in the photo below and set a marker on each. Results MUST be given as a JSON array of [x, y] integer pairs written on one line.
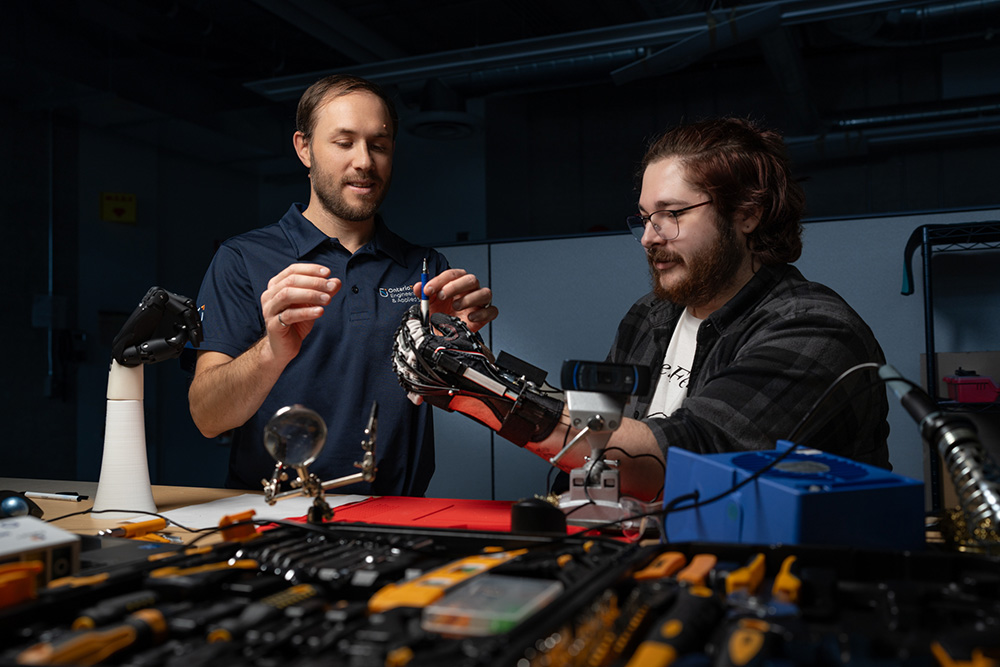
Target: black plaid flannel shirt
[[762, 362]]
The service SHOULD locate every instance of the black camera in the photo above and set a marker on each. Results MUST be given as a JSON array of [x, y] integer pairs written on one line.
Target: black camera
[[604, 377]]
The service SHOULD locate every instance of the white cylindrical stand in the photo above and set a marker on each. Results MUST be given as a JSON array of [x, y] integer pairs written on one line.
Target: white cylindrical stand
[[124, 483]]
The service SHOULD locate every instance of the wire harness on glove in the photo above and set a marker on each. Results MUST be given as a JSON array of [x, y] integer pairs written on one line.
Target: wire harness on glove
[[449, 366]]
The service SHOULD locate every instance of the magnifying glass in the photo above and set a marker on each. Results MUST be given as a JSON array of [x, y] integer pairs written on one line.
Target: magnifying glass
[[294, 436]]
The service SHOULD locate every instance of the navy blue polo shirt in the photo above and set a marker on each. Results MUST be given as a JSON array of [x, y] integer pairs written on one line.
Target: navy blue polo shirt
[[345, 361]]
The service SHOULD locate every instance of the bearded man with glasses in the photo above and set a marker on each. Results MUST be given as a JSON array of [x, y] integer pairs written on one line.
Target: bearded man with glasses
[[741, 346]]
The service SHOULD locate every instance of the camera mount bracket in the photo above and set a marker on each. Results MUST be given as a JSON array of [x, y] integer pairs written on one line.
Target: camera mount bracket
[[596, 394]]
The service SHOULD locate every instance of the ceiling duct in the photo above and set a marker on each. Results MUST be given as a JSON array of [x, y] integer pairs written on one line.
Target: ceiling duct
[[722, 29], [856, 143], [906, 27], [964, 110], [484, 61], [942, 11]]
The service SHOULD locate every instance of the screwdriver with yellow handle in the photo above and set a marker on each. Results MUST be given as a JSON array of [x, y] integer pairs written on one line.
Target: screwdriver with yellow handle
[[751, 641], [138, 529], [431, 586], [656, 588], [689, 622], [260, 611], [745, 581], [787, 584], [685, 628], [146, 627]]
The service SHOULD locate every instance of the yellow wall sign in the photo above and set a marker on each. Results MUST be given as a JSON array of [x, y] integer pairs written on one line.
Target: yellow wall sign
[[118, 207]]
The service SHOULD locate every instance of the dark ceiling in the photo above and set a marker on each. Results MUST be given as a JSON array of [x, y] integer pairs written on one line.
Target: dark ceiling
[[224, 71]]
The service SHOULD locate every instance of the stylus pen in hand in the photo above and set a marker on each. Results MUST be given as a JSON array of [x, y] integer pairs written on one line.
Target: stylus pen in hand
[[425, 305]]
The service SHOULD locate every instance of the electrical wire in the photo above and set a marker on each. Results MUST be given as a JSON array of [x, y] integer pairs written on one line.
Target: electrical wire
[[673, 505], [662, 465], [806, 418], [170, 522], [586, 488], [795, 436]]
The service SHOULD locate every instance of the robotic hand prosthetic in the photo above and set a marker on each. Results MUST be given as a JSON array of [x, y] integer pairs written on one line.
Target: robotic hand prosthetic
[[158, 329], [453, 369]]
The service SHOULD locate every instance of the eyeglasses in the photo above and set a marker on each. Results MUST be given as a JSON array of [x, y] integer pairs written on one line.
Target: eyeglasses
[[664, 222]]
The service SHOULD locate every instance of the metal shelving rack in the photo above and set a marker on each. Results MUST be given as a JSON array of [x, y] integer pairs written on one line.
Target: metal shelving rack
[[936, 239]]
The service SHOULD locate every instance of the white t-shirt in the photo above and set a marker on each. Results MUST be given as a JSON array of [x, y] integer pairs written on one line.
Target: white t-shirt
[[671, 387]]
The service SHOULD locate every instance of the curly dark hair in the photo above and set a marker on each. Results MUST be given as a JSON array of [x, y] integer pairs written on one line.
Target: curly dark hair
[[743, 168], [337, 85]]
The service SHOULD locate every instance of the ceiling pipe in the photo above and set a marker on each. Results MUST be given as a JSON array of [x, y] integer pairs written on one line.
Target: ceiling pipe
[[924, 115], [502, 66], [861, 143], [934, 12], [723, 28], [566, 47], [566, 71]]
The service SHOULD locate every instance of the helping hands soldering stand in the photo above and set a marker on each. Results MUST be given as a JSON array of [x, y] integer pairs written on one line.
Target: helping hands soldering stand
[[295, 436], [596, 394]]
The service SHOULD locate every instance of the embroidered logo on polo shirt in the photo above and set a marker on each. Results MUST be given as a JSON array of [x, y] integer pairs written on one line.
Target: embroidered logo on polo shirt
[[402, 294]]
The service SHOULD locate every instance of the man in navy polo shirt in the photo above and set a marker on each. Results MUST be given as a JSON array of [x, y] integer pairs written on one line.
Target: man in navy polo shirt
[[304, 310]]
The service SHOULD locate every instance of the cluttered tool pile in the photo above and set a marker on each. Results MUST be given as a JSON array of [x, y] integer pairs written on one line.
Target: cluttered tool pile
[[351, 594]]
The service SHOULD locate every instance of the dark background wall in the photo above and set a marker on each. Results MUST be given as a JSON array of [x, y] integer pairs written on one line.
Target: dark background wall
[[513, 127], [39, 391]]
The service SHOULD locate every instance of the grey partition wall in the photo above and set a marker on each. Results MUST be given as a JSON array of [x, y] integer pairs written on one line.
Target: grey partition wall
[[563, 298], [558, 299]]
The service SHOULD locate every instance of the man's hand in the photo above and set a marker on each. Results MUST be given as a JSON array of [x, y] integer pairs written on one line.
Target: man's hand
[[227, 391], [293, 301], [458, 293]]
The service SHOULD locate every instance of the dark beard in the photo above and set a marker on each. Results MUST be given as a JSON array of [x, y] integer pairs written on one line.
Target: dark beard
[[335, 205], [709, 272]]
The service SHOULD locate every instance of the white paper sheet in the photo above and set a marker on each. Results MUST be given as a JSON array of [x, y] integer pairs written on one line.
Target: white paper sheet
[[207, 515]]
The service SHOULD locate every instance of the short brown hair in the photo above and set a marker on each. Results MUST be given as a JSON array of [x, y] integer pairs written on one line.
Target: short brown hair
[[338, 85], [742, 168]]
